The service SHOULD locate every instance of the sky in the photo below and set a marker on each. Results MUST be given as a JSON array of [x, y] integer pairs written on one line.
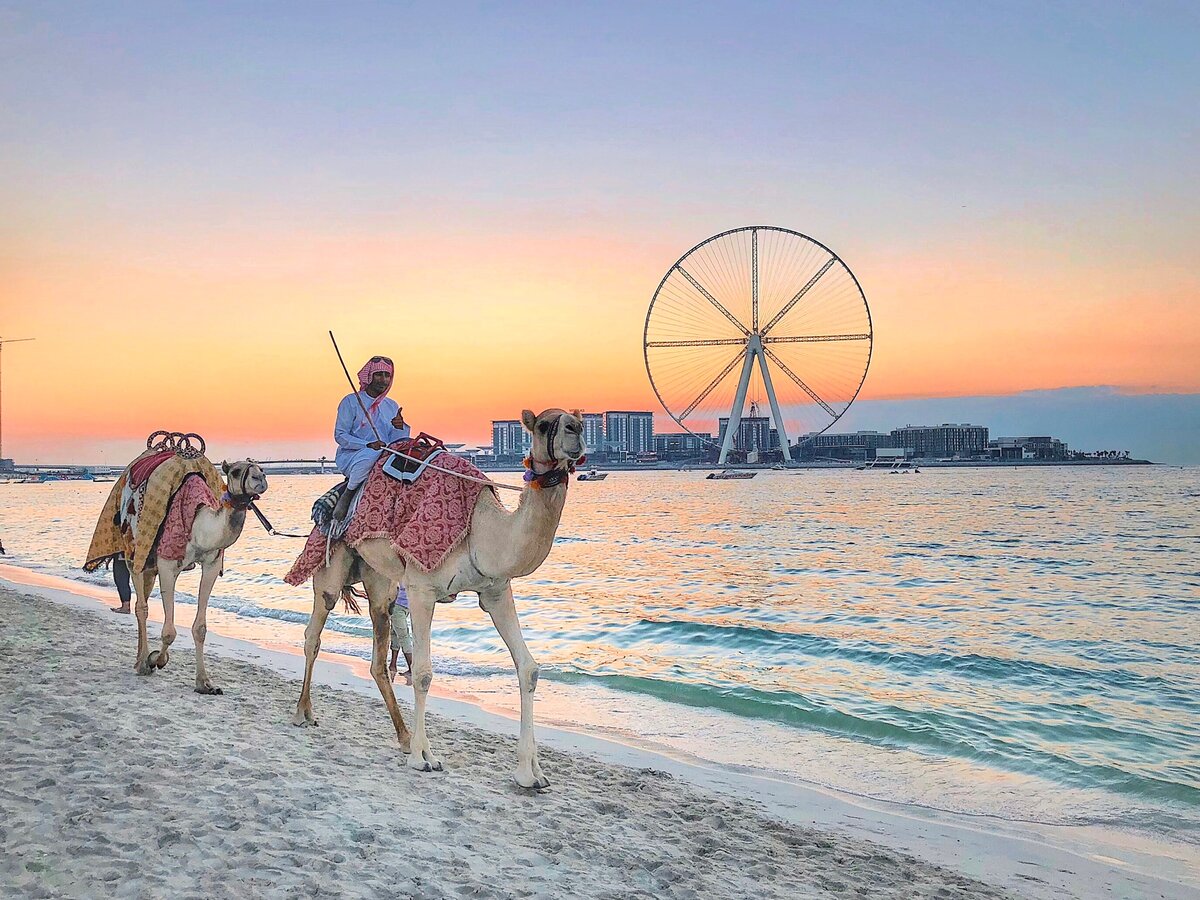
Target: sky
[[193, 195]]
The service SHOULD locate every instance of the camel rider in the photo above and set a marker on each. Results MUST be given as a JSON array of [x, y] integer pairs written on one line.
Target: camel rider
[[358, 446]]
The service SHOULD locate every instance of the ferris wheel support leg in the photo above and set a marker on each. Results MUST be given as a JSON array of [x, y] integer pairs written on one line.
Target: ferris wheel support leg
[[783, 435], [735, 414]]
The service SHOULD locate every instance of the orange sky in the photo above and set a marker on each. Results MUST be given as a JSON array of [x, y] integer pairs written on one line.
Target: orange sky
[[227, 336]]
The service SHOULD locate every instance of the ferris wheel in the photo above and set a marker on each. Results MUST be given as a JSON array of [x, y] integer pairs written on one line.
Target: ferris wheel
[[758, 313]]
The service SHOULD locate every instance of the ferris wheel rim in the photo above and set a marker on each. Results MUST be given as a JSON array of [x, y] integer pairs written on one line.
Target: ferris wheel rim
[[654, 299]]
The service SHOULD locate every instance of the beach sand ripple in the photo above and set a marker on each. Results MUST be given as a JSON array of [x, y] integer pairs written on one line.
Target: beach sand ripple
[[120, 786]]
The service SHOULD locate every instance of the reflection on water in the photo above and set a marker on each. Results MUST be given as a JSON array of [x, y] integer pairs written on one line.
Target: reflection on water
[[1020, 643]]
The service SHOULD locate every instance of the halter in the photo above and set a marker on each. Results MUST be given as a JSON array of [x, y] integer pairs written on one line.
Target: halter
[[242, 500], [556, 475]]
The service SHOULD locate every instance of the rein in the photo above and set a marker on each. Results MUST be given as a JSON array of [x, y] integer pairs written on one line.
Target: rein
[[268, 527]]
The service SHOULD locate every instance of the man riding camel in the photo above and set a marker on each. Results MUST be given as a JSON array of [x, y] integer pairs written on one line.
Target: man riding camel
[[358, 446]]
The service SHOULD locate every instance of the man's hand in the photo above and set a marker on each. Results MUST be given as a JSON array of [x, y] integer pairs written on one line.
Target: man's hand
[[376, 445], [398, 419]]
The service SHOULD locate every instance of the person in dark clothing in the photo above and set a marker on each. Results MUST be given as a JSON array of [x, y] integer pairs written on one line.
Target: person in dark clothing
[[120, 571]]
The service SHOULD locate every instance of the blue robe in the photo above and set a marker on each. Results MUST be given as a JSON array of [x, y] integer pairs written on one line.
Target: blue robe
[[354, 458]]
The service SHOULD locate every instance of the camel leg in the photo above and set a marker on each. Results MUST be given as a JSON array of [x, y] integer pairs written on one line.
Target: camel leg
[[421, 600], [381, 593], [209, 573], [143, 584], [499, 605], [327, 588], [168, 573]]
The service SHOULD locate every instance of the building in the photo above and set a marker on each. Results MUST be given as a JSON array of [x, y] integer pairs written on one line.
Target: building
[[1040, 447], [510, 439], [628, 433], [681, 445], [933, 441], [754, 433], [593, 432], [855, 445]]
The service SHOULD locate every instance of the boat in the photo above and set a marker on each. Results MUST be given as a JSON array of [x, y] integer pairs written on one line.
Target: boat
[[726, 476], [591, 475], [895, 465]]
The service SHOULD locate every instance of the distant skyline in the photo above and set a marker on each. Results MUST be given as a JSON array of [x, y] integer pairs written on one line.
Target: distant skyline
[[191, 195]]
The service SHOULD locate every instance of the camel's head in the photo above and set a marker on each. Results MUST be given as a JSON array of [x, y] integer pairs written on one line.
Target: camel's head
[[245, 478], [557, 436]]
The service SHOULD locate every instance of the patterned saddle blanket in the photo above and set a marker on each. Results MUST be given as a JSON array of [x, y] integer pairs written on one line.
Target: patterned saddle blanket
[[424, 519]]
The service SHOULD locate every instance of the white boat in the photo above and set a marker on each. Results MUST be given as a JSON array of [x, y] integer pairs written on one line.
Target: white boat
[[591, 475], [730, 475]]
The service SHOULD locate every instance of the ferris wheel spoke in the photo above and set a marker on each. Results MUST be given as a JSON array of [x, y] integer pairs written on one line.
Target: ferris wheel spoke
[[715, 342], [800, 381], [754, 275], [713, 300], [816, 338], [799, 294], [712, 384]]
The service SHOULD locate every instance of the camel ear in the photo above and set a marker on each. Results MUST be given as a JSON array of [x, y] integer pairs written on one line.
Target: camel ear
[[577, 414], [225, 466], [528, 419]]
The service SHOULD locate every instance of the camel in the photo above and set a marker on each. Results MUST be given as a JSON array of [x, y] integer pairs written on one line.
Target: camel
[[213, 532], [499, 546]]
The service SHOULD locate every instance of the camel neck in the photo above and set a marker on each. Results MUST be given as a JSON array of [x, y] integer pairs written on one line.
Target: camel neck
[[511, 545]]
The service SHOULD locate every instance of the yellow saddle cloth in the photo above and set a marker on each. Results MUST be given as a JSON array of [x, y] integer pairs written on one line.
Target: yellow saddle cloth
[[110, 538]]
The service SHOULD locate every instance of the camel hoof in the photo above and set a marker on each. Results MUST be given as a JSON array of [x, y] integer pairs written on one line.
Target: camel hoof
[[303, 720], [532, 782], [145, 667], [424, 762], [208, 689], [160, 660]]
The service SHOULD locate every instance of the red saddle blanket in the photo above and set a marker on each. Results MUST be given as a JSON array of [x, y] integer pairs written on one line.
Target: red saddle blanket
[[424, 519], [177, 526], [141, 470]]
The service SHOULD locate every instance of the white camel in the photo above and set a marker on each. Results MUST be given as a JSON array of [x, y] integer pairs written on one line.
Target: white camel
[[499, 546], [213, 532]]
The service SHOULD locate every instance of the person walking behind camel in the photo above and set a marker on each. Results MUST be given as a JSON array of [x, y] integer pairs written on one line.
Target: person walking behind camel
[[360, 439], [120, 572], [401, 635]]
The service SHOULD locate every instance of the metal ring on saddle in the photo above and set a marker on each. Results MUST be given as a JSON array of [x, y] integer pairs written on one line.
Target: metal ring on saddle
[[187, 450], [182, 445]]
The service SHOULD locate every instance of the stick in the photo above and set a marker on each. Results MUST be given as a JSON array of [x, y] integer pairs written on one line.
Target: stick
[[378, 437]]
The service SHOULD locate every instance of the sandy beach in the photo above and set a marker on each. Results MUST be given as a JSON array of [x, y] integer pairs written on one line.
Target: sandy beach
[[123, 786]]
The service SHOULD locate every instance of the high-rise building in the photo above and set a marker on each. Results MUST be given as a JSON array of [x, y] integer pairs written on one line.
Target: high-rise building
[[942, 440], [754, 433], [593, 432], [629, 432], [510, 439]]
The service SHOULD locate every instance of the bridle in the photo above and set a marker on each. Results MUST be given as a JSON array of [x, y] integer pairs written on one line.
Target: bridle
[[557, 473], [243, 499]]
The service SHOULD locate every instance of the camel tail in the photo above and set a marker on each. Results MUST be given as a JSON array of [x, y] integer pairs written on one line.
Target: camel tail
[[349, 595]]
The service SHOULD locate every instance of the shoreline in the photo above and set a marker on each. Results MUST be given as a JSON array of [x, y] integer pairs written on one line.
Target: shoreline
[[105, 471], [1028, 860]]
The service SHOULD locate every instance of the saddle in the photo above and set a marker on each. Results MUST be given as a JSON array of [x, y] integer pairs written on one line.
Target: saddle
[[334, 511], [421, 450]]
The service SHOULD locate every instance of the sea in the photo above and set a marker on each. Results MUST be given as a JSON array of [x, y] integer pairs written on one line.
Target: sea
[[1019, 643]]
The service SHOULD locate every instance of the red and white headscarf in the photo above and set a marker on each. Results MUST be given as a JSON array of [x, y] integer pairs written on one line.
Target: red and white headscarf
[[367, 372]]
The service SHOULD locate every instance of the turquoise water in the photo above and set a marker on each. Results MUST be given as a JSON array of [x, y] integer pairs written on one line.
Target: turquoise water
[[1017, 643]]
